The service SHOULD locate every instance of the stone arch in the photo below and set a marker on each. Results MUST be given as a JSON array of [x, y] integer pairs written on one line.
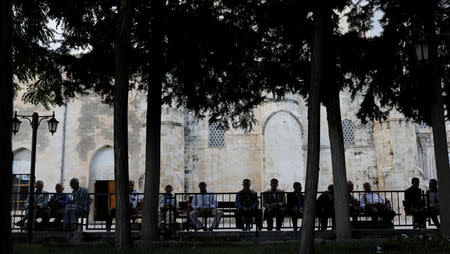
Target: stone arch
[[21, 161], [287, 112], [101, 166], [283, 153]]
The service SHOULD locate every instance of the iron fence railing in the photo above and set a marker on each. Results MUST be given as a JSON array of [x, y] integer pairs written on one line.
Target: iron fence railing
[[177, 213]]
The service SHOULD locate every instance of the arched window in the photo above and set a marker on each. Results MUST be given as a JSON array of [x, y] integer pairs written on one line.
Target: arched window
[[348, 131], [216, 135]]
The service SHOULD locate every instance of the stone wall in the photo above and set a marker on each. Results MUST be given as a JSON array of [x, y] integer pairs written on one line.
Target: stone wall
[[386, 154]]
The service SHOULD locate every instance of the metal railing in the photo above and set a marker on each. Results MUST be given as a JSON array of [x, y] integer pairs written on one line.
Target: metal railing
[[176, 213]]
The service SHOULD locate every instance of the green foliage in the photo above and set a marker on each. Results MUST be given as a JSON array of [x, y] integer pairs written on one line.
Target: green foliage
[[394, 77], [32, 54]]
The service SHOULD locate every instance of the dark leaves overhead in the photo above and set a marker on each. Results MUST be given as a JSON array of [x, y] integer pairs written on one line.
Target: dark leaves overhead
[[394, 76]]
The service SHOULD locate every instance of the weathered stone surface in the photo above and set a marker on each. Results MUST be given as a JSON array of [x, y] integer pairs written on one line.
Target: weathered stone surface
[[386, 154]]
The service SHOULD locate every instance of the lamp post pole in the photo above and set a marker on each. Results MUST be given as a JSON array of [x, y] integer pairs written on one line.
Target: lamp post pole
[[34, 120]]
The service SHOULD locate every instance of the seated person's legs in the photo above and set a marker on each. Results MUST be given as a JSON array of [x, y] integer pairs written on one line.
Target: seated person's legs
[[58, 214], [193, 216], [44, 214], [269, 213], [218, 214], [239, 215], [280, 216], [373, 212], [387, 214], [295, 215], [70, 217], [433, 213], [258, 217]]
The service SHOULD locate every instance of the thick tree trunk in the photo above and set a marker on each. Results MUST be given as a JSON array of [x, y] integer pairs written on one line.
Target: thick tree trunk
[[6, 108], [438, 122], [331, 101], [343, 229], [312, 167], [123, 233], [153, 142], [441, 151]]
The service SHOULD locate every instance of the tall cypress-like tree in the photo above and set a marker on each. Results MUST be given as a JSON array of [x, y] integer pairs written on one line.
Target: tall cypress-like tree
[[153, 141], [320, 16], [396, 78], [121, 175]]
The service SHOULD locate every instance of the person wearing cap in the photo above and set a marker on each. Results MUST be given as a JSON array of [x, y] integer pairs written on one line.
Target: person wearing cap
[[167, 208], [204, 204], [134, 201]]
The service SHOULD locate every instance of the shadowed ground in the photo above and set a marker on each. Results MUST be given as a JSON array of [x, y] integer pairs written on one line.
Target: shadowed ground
[[418, 245]]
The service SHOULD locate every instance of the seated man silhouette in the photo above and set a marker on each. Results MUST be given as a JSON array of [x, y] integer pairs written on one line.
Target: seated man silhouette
[[167, 209], [375, 205], [414, 204], [274, 203], [134, 201], [295, 201], [204, 204], [58, 204], [353, 202], [40, 205], [78, 207], [325, 208], [247, 207]]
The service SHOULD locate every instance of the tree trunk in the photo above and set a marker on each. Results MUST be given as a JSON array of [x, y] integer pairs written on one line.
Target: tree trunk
[[123, 229], [153, 141], [6, 108], [312, 167], [343, 229], [331, 101], [438, 122]]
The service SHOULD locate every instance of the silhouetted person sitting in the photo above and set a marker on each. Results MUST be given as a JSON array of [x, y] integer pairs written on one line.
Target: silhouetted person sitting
[[374, 205], [204, 205], [78, 207], [167, 209], [414, 204], [274, 203], [58, 204], [325, 207], [247, 207], [134, 202], [433, 202], [40, 205], [295, 201], [353, 202]]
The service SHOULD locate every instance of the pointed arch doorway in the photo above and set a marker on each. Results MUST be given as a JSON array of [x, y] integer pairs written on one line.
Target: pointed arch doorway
[[283, 153]]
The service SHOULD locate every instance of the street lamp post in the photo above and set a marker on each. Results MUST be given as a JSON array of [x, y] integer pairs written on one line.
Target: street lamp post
[[34, 120], [427, 52]]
